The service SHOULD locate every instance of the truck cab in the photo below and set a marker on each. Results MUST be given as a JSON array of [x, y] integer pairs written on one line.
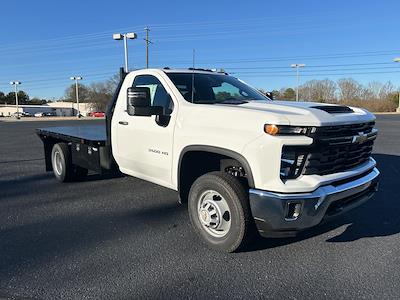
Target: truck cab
[[242, 162]]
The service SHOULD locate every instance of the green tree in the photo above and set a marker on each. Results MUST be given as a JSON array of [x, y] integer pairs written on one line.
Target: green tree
[[37, 101], [10, 98], [276, 94], [289, 94], [2, 98], [23, 98]]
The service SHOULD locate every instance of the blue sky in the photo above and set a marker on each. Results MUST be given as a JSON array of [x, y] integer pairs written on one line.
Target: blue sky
[[50, 41]]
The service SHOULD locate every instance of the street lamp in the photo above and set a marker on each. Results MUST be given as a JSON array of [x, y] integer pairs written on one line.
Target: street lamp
[[76, 78], [125, 37], [297, 66], [15, 84], [397, 59]]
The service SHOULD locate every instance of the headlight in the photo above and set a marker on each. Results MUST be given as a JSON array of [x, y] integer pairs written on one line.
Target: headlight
[[292, 162], [288, 130]]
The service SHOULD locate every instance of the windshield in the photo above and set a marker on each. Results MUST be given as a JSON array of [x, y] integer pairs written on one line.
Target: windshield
[[214, 88]]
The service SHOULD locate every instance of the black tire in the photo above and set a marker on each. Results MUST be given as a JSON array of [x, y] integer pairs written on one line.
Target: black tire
[[236, 197], [61, 162], [65, 171]]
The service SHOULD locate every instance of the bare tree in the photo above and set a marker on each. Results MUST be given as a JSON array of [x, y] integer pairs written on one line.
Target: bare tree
[[387, 90], [349, 89], [374, 89], [70, 93], [318, 90], [100, 95], [112, 83]]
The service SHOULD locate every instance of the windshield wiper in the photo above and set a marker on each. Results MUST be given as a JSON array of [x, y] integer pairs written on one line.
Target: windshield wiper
[[226, 101], [231, 101]]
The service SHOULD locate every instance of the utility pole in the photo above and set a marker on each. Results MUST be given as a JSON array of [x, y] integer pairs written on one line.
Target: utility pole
[[76, 78], [194, 56], [148, 41], [15, 84], [397, 59], [125, 37], [297, 66]]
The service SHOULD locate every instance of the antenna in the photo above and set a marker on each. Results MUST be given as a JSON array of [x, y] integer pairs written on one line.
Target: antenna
[[194, 54]]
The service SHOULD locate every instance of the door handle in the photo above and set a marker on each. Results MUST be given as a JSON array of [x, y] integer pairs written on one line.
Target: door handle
[[123, 122]]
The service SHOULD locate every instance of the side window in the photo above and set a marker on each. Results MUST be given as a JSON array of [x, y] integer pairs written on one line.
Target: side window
[[158, 94]]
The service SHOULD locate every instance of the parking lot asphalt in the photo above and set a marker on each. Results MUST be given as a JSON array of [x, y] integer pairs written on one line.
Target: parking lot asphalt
[[124, 238]]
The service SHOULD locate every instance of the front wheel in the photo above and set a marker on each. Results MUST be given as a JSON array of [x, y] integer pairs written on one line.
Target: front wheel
[[219, 211]]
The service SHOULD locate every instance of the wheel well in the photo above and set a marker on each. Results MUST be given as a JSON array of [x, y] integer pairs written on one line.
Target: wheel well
[[195, 163]]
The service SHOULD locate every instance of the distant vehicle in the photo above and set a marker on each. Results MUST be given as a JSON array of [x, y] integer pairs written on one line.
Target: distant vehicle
[[39, 114], [98, 114], [50, 114], [22, 114]]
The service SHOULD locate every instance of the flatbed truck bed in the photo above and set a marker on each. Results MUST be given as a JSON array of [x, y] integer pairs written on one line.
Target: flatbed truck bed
[[88, 146], [94, 135]]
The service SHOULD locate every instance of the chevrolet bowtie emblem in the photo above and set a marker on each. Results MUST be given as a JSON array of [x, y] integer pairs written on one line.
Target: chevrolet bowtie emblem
[[360, 138]]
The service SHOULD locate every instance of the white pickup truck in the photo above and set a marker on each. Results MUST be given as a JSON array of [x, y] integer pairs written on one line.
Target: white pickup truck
[[242, 162]]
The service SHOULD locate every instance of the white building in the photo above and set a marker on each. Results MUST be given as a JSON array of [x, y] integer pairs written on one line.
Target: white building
[[65, 109]]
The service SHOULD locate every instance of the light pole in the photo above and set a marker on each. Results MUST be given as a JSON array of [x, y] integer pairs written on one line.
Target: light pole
[[76, 78], [15, 84], [397, 59], [125, 37], [297, 66]]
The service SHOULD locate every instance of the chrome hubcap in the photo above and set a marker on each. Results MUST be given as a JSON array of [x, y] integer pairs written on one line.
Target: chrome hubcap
[[57, 165], [214, 213]]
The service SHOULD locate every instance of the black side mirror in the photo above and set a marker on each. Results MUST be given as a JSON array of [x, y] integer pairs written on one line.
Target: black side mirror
[[270, 95], [139, 102]]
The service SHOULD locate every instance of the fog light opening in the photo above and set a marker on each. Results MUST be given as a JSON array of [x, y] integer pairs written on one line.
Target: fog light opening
[[293, 211]]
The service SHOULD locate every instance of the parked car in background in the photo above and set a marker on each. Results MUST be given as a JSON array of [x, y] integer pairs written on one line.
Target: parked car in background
[[97, 114], [39, 114], [50, 114], [21, 114]]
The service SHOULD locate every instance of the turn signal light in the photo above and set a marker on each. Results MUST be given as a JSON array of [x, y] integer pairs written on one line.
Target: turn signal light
[[288, 130], [271, 129]]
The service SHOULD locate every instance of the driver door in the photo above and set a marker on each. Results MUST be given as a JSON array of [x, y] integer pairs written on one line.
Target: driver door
[[149, 154]]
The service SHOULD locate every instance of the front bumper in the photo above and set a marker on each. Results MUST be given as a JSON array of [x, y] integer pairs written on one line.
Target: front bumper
[[282, 215]]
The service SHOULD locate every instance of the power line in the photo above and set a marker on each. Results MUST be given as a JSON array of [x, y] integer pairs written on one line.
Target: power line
[[310, 71], [317, 74], [309, 66]]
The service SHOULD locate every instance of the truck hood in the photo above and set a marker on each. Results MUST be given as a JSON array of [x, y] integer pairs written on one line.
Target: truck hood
[[310, 113]]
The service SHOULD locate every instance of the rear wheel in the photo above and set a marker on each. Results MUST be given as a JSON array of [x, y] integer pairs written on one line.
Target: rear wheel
[[63, 168], [219, 211]]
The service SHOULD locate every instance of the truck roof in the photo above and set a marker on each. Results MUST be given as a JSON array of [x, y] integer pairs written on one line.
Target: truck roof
[[196, 70]]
